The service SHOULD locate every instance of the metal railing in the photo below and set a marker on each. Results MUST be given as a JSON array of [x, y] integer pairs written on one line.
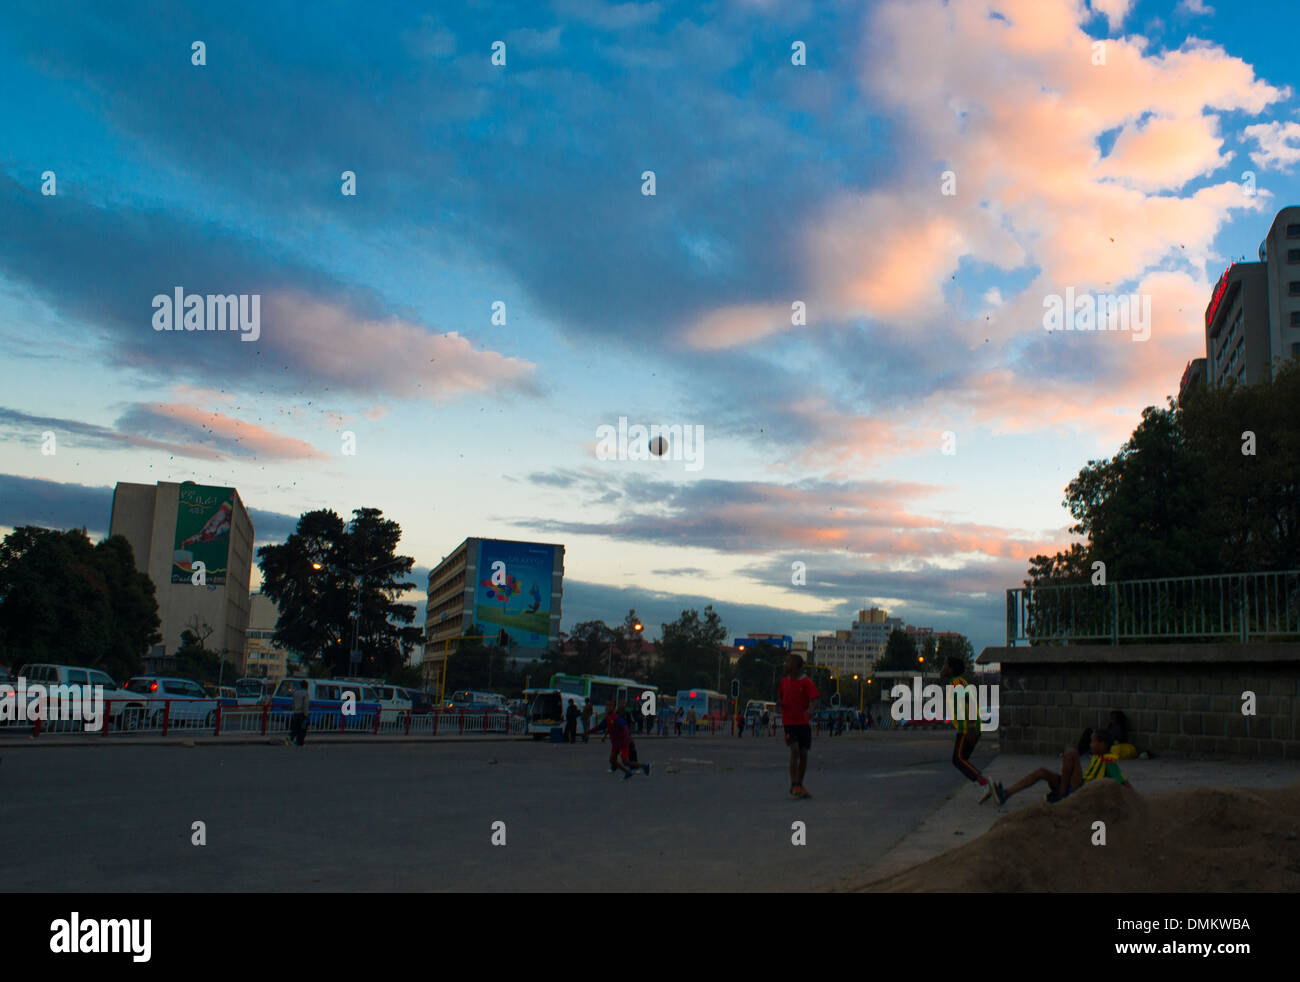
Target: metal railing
[[1238, 606], [163, 717]]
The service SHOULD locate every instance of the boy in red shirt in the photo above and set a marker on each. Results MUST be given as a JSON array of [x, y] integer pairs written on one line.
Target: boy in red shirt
[[620, 739], [797, 696]]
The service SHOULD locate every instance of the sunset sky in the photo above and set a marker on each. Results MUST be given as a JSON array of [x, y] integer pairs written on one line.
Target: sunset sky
[[775, 184]]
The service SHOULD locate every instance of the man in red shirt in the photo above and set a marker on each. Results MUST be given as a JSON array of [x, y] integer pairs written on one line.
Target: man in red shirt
[[798, 697]]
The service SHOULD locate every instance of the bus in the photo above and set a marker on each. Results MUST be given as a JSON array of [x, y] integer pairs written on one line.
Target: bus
[[708, 705], [756, 707], [600, 689]]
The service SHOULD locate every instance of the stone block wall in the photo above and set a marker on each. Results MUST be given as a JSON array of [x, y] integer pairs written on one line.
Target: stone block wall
[[1173, 708]]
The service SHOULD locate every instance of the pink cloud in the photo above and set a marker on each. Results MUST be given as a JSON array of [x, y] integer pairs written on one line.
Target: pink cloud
[[389, 356], [230, 435]]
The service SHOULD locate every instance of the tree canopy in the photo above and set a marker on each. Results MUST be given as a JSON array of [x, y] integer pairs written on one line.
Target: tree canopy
[[65, 600], [314, 576], [1210, 485]]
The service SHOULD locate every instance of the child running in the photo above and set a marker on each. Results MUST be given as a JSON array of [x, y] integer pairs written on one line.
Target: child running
[[1072, 776], [797, 696], [620, 740], [968, 730]]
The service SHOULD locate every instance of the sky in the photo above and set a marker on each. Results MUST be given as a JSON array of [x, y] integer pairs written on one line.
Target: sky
[[859, 214]]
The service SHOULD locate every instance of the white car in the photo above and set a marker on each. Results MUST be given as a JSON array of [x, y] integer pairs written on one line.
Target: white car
[[189, 705], [115, 698], [393, 702]]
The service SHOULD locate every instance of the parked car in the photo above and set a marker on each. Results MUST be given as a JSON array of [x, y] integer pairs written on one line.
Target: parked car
[[189, 704], [116, 699], [422, 702], [252, 691]]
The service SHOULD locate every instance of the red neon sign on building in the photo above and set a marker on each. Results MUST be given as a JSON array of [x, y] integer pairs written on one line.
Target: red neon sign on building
[[1219, 289]]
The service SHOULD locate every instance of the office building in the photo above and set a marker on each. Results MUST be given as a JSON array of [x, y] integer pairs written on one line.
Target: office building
[[861, 646], [263, 658], [1252, 321], [489, 586], [196, 544]]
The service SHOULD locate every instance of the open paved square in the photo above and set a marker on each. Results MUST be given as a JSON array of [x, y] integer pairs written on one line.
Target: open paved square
[[412, 816]]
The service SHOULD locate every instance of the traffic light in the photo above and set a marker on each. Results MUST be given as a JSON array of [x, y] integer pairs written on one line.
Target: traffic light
[[735, 688]]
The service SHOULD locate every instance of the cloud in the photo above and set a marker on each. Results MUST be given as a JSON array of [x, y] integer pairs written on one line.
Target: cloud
[[100, 268], [1279, 144], [1114, 10], [176, 429], [609, 16], [59, 505], [93, 435], [197, 426], [874, 520]]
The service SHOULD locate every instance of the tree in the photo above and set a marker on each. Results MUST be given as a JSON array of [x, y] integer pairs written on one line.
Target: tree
[[900, 653], [194, 660], [690, 648], [65, 600], [955, 647], [1208, 486], [313, 578], [593, 640]]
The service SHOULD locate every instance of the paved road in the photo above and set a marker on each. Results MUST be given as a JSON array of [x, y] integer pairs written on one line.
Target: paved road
[[418, 816]]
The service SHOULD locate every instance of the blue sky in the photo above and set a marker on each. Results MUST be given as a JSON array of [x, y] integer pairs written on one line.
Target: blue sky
[[775, 183]]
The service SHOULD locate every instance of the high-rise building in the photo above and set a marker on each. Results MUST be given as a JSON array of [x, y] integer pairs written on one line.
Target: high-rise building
[[858, 648], [1252, 321], [196, 544], [489, 586], [1236, 327]]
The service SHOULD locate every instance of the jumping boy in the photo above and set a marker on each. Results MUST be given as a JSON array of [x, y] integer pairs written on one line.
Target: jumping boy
[[1072, 776], [797, 696], [968, 729], [620, 740]]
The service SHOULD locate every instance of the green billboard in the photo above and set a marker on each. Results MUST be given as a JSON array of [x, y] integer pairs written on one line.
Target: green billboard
[[202, 532]]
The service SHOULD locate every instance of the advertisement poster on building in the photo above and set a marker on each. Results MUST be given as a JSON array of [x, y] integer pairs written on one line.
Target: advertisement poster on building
[[202, 532], [514, 591]]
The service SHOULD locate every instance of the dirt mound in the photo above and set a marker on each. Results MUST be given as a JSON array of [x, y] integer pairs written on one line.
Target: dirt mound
[[1206, 840]]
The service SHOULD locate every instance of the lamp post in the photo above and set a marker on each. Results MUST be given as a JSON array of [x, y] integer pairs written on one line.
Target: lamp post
[[446, 643]]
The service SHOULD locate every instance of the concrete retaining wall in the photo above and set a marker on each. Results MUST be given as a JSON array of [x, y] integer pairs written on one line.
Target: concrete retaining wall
[[1179, 699]]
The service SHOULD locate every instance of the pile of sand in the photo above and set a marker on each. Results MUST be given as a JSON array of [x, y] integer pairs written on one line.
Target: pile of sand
[[1203, 840]]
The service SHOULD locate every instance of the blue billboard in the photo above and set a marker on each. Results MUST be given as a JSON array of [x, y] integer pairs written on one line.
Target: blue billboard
[[783, 641], [514, 592]]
